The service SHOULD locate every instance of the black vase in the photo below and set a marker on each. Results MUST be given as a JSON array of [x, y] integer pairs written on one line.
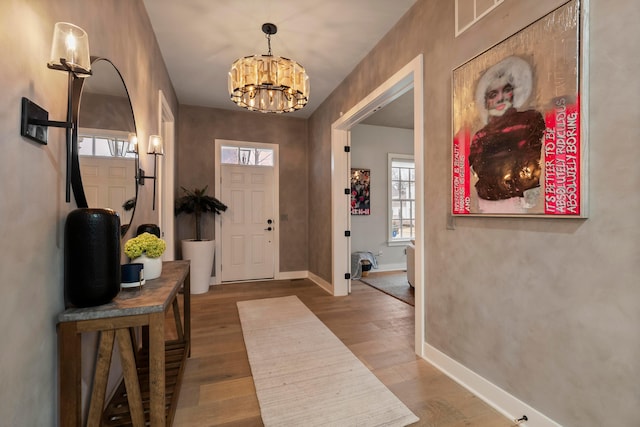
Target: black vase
[[91, 257], [148, 228]]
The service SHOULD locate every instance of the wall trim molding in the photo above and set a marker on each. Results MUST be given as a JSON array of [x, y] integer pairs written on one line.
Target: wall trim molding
[[288, 275], [291, 275], [409, 76], [503, 402], [328, 287], [398, 266]]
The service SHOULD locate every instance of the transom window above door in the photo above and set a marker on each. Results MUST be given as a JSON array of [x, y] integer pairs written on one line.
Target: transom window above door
[[249, 156], [104, 144]]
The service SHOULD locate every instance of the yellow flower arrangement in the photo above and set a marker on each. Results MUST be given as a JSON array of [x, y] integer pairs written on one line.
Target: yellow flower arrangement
[[146, 243]]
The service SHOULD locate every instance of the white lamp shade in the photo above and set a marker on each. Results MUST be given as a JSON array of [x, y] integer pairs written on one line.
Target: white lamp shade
[[70, 49], [155, 145], [133, 142]]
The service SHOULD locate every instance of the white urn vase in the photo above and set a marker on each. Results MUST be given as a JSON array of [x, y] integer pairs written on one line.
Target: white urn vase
[[152, 267], [201, 254]]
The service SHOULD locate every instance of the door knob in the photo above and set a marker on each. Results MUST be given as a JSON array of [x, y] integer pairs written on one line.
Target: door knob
[[268, 229]]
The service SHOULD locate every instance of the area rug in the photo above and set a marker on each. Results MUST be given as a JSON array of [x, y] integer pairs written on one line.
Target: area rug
[[305, 376], [394, 284]]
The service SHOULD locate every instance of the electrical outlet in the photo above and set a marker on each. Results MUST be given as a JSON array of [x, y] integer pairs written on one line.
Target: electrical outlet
[[379, 253], [521, 421]]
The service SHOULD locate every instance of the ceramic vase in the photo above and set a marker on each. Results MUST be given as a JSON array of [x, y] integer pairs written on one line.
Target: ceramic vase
[[91, 257], [148, 228], [201, 254], [152, 266]]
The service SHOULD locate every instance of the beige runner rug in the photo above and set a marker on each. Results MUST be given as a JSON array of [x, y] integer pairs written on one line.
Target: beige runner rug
[[305, 376]]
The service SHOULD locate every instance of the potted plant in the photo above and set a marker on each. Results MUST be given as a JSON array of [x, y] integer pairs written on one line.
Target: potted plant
[[200, 251], [146, 249]]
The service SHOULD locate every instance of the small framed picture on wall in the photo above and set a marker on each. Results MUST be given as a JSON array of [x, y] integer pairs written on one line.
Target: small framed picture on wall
[[360, 192]]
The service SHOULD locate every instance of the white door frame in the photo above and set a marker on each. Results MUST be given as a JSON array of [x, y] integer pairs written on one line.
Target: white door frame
[[276, 202], [166, 126], [410, 76]]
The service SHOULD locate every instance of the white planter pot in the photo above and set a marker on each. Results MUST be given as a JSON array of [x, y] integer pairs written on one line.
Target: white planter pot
[[200, 253], [152, 266]]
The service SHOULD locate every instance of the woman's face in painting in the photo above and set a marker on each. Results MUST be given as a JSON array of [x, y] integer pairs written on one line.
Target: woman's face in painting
[[499, 97]]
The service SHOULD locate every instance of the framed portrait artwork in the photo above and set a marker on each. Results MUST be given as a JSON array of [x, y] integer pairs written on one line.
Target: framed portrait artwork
[[360, 192], [518, 146]]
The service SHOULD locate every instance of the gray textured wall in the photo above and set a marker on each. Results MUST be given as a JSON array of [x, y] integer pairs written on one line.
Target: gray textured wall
[[32, 209], [547, 309], [198, 129], [105, 112]]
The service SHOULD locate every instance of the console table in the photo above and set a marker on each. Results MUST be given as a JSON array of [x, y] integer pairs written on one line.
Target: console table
[[152, 366]]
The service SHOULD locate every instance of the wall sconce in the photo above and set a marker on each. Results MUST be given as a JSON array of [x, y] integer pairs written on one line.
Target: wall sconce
[[69, 53], [133, 143], [133, 148], [155, 148]]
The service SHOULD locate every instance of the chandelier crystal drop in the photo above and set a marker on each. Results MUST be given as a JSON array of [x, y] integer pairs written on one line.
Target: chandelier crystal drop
[[267, 83]]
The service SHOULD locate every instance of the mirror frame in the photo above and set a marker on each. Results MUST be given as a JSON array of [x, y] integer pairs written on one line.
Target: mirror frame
[[76, 177]]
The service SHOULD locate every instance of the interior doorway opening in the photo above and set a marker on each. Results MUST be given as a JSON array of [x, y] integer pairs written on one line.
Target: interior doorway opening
[[409, 77]]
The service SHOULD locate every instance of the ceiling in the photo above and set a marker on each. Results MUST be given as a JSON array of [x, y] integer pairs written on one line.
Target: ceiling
[[200, 39]]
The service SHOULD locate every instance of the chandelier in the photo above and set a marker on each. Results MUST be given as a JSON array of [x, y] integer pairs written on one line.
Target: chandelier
[[267, 83]]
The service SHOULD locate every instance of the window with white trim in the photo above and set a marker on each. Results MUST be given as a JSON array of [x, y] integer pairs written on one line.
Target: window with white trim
[[249, 156], [105, 144], [402, 198]]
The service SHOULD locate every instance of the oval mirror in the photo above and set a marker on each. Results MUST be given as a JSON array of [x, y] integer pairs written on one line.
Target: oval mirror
[[104, 159]]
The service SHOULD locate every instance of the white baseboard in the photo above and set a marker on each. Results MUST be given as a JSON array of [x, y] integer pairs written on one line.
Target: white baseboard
[[391, 267], [283, 275], [291, 275], [503, 402], [328, 287]]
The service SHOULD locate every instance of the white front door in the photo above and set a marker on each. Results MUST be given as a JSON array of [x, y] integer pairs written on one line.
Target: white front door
[[109, 182], [248, 225]]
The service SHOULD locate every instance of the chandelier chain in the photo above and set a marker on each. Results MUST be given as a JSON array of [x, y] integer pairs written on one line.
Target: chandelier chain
[[268, 36]]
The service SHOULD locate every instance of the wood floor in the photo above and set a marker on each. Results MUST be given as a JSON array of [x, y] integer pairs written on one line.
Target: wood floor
[[217, 388]]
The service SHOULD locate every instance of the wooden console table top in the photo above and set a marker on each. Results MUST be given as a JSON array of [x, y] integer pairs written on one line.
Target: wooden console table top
[[154, 297]]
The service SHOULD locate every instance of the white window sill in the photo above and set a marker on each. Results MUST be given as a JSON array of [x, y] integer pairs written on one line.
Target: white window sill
[[403, 242]]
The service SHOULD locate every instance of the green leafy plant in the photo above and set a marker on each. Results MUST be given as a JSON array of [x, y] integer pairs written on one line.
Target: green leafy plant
[[198, 202], [145, 243]]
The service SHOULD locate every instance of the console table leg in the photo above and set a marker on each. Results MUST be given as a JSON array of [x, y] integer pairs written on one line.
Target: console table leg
[[130, 377], [100, 377], [156, 370], [187, 310], [69, 378], [178, 319]]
